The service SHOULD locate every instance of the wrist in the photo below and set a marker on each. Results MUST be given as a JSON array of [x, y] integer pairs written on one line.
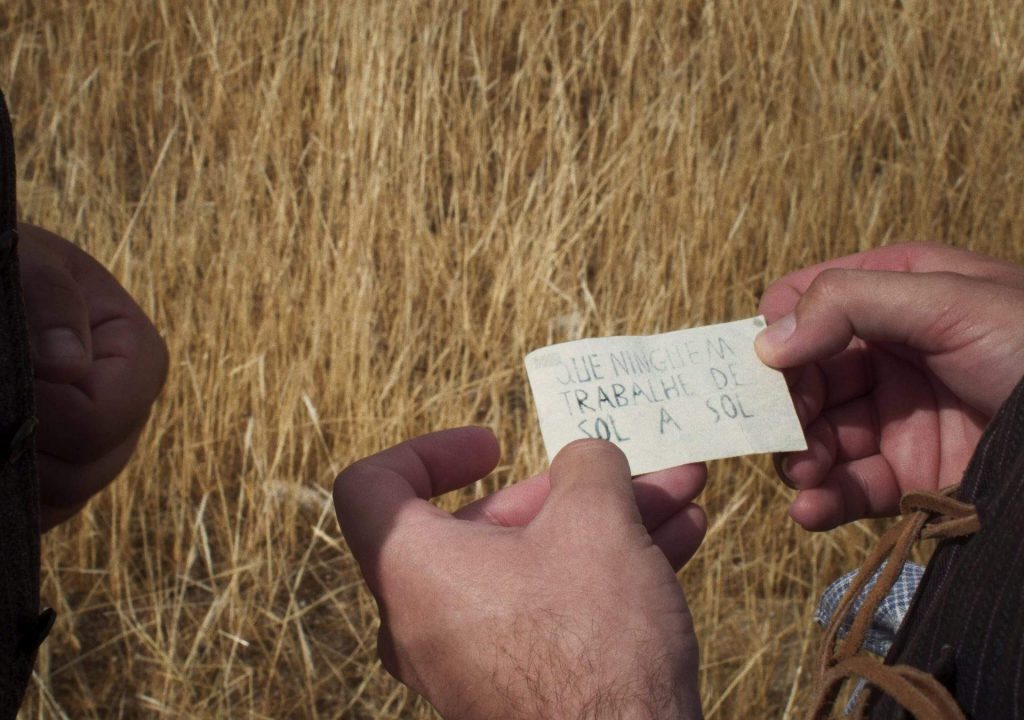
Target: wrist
[[574, 676], [613, 706], [657, 697]]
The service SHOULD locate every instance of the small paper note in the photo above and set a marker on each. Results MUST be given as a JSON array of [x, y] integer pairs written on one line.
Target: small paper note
[[665, 400]]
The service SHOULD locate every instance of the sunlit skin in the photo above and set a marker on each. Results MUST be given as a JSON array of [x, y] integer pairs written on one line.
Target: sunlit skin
[[556, 596], [899, 358]]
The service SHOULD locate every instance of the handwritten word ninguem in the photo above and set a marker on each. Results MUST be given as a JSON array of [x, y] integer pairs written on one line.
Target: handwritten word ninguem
[[594, 367]]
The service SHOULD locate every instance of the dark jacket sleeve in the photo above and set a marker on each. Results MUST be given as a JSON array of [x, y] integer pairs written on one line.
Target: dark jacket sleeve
[[21, 626], [966, 623]]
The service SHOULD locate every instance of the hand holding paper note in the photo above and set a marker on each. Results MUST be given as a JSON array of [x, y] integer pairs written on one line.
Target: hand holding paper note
[[665, 400]]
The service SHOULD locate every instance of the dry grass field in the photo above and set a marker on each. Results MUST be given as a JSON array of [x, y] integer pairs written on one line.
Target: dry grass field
[[351, 220]]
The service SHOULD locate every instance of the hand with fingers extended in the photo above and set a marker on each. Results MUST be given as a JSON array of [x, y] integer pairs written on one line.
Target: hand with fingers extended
[[555, 597], [897, 359], [98, 364]]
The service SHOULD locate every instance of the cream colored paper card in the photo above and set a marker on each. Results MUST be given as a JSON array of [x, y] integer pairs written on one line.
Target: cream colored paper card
[[665, 400]]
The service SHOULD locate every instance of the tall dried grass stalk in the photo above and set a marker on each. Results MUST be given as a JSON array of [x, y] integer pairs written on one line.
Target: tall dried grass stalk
[[352, 220]]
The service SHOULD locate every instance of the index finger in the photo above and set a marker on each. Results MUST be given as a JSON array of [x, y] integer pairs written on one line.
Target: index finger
[[377, 494], [782, 295]]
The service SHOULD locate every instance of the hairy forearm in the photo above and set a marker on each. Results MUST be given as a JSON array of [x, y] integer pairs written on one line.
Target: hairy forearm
[[566, 674]]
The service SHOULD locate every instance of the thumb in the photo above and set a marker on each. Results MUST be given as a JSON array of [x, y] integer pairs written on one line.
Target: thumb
[[590, 480], [946, 317], [919, 310], [58, 323]]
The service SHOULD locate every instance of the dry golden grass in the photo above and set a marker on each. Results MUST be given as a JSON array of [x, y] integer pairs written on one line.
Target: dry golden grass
[[352, 220]]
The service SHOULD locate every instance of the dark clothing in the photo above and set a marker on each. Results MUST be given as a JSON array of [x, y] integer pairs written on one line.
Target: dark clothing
[[966, 623], [20, 627], [965, 626]]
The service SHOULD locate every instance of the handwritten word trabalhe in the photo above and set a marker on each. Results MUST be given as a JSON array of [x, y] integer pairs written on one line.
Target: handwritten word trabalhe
[[683, 396]]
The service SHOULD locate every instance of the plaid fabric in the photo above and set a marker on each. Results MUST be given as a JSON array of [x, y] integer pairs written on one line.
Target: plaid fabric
[[890, 613]]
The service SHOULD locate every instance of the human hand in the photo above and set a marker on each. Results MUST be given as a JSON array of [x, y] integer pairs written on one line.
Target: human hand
[[897, 358], [98, 364], [551, 598]]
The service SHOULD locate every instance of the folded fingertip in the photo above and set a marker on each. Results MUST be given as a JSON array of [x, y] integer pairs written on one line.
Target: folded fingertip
[[802, 470], [808, 393], [59, 355], [780, 463], [812, 513], [61, 345], [680, 536], [697, 517], [660, 495], [808, 468]]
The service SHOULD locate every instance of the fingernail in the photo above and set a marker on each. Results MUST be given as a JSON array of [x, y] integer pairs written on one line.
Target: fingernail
[[60, 345], [781, 463], [778, 332]]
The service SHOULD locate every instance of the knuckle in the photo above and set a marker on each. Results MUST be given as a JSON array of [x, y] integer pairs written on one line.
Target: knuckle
[[827, 288], [830, 280]]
